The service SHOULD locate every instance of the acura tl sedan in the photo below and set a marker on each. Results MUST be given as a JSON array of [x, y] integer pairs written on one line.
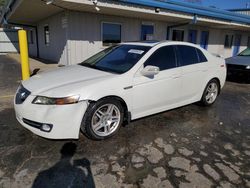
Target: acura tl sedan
[[121, 83]]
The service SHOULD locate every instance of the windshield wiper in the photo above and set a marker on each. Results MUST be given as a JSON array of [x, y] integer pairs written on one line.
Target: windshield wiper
[[86, 65], [98, 68]]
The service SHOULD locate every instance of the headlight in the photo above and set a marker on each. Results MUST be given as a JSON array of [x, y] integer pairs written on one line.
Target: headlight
[[248, 67], [56, 101]]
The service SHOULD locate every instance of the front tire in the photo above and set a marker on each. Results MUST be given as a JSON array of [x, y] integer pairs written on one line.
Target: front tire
[[210, 93], [102, 119]]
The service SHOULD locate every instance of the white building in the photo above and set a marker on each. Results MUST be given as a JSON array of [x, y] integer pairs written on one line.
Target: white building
[[69, 31]]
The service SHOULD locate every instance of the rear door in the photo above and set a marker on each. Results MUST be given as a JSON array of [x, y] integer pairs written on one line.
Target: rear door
[[194, 71]]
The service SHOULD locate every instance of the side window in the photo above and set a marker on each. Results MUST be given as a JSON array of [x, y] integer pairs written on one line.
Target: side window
[[187, 55], [202, 57], [164, 58]]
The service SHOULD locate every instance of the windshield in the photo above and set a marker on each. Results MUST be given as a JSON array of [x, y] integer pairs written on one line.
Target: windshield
[[246, 52], [116, 59]]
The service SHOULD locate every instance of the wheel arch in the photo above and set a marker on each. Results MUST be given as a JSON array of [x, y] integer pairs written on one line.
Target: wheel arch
[[127, 114], [218, 80]]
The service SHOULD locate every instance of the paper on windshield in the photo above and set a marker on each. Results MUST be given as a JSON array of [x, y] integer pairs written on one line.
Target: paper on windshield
[[134, 51]]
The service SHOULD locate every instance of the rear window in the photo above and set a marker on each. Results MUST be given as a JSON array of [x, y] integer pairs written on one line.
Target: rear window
[[202, 57], [187, 55]]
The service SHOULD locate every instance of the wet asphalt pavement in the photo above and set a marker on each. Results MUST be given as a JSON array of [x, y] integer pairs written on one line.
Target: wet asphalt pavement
[[192, 146]]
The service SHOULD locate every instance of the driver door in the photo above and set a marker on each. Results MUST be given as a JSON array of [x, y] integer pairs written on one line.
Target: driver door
[[161, 91]]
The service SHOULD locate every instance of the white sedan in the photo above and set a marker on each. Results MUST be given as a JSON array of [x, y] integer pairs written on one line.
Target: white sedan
[[121, 83]]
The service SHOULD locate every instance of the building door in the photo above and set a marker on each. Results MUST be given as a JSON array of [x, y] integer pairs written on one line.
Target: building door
[[192, 36], [237, 42], [178, 35], [204, 39]]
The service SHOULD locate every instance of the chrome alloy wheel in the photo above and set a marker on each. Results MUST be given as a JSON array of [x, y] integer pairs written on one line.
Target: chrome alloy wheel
[[211, 93], [106, 120]]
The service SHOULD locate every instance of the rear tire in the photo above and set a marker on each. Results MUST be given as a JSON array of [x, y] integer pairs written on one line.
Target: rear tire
[[102, 119], [210, 93]]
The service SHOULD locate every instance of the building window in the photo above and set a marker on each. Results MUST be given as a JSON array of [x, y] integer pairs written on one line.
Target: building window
[[248, 42], [178, 35], [192, 36], [46, 35], [147, 32], [111, 34], [228, 41]]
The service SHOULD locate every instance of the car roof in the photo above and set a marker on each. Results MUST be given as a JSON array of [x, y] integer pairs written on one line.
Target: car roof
[[155, 43]]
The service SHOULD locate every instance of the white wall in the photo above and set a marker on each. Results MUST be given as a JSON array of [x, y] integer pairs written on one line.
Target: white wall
[[216, 39], [84, 37], [8, 40]]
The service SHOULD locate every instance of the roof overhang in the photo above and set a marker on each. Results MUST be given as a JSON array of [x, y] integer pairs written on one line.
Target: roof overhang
[[30, 12]]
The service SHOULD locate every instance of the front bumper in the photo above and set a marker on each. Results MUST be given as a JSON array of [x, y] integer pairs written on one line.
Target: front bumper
[[237, 70], [65, 119]]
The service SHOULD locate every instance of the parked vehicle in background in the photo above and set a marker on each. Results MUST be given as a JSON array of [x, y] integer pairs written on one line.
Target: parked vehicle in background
[[240, 64], [121, 83]]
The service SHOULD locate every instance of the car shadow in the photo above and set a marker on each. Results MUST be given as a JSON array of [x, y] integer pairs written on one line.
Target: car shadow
[[66, 172]]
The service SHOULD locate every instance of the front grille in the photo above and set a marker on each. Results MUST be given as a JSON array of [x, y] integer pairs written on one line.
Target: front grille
[[21, 95], [236, 67]]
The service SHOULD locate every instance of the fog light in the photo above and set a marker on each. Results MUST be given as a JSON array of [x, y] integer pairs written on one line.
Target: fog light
[[46, 127]]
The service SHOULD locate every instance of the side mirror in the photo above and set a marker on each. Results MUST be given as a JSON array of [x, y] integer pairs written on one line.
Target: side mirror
[[150, 71]]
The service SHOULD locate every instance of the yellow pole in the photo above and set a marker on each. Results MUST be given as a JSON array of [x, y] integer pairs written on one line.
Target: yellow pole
[[24, 56]]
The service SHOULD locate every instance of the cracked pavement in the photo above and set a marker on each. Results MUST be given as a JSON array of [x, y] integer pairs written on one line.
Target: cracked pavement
[[192, 146]]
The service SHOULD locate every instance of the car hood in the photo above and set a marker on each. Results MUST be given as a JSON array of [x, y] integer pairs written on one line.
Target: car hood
[[64, 76], [238, 60]]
